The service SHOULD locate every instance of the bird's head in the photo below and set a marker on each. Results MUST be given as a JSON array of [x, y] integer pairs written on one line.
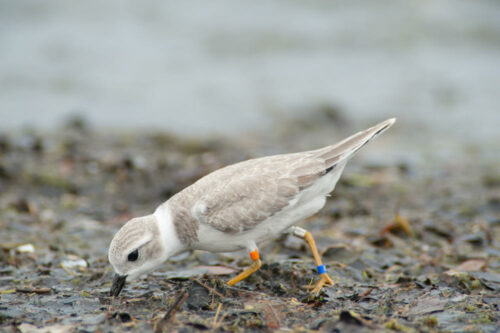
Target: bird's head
[[136, 249]]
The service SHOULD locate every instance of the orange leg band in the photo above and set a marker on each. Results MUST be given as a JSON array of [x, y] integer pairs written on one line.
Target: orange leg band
[[254, 255]]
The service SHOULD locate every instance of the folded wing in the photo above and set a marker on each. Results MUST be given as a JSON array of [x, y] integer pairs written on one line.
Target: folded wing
[[239, 197]]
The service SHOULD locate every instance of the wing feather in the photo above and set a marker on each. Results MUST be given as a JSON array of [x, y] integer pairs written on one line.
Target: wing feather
[[248, 193]]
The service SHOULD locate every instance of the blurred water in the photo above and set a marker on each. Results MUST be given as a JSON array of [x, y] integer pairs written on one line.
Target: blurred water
[[198, 67]]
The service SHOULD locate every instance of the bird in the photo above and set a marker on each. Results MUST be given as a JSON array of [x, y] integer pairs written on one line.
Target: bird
[[237, 208]]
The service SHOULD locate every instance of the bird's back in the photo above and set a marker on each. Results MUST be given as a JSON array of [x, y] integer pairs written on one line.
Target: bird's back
[[237, 198]]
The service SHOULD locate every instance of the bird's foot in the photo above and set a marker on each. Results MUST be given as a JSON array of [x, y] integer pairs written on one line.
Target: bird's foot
[[324, 278], [246, 273]]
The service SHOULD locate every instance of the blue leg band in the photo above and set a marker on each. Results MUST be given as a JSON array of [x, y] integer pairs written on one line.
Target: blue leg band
[[321, 269]]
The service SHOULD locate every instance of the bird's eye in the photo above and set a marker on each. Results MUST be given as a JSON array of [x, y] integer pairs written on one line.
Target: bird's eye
[[132, 256]]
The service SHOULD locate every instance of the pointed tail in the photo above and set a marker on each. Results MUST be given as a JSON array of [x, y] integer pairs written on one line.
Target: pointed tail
[[347, 147]]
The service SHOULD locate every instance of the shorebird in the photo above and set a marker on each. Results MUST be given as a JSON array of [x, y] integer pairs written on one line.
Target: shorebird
[[236, 208]]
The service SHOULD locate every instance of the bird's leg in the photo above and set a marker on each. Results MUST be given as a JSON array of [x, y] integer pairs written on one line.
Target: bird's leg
[[254, 255], [324, 278]]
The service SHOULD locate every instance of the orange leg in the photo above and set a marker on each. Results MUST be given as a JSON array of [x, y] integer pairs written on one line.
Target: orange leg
[[254, 255], [324, 278]]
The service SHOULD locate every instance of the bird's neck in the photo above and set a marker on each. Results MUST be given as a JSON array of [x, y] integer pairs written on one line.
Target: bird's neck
[[168, 234]]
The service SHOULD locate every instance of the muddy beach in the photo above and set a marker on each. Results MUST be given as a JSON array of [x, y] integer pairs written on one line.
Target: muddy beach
[[409, 248]]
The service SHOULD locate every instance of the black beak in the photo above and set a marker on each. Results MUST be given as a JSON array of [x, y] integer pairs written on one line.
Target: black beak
[[118, 284]]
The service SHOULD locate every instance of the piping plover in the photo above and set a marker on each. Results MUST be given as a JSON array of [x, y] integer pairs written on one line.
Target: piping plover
[[235, 208]]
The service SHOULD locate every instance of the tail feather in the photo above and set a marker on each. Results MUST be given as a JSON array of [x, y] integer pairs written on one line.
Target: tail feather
[[346, 148]]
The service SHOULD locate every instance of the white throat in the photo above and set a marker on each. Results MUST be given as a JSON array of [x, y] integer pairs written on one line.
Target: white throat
[[171, 241]]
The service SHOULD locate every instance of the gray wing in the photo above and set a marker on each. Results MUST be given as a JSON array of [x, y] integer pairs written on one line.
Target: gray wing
[[243, 195], [239, 197]]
